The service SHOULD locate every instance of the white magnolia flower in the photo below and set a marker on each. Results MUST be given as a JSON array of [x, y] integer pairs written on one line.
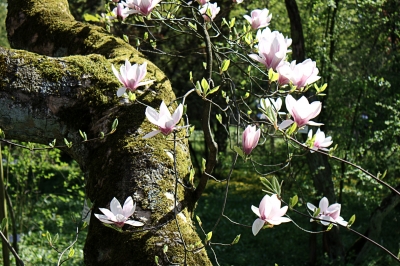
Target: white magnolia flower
[[119, 215], [165, 122]]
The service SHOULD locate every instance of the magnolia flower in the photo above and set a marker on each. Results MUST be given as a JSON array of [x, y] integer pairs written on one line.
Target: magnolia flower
[[250, 139], [165, 122], [119, 215], [318, 142], [330, 214], [285, 73], [120, 12], [302, 111], [259, 18], [272, 48], [270, 212], [143, 7], [209, 11], [304, 73], [131, 76], [203, 2], [238, 1]]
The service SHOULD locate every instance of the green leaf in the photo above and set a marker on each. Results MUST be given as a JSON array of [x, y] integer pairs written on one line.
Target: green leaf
[[205, 65], [219, 118], [351, 221], [239, 151], [193, 26], [232, 23], [67, 143], [156, 259], [329, 227], [191, 176], [199, 90], [316, 212], [276, 186], [272, 76], [2, 134], [126, 38], [89, 17], [236, 240], [205, 86], [3, 224], [293, 201], [114, 125], [225, 65], [291, 129], [266, 183], [48, 236], [83, 135], [101, 135], [208, 236], [198, 220], [145, 36], [55, 238], [213, 90], [191, 76], [165, 248], [203, 164], [71, 252]]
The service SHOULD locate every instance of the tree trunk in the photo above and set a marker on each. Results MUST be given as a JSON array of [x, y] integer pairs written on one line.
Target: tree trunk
[[44, 98], [318, 163], [361, 248]]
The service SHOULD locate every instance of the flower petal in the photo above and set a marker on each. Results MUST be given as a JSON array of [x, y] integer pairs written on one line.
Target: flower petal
[[257, 225]]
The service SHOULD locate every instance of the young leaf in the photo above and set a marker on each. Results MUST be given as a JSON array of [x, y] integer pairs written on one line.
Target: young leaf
[[156, 259], [165, 248], [203, 164], [266, 183], [126, 38], [236, 240], [3, 223], [71, 252], [239, 151], [205, 86], [351, 221], [208, 236], [114, 125], [293, 201], [219, 118], [198, 220], [329, 227], [225, 65], [232, 23]]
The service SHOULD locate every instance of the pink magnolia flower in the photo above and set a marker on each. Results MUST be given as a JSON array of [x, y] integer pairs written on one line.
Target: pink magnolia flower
[[285, 73], [302, 111], [119, 215], [330, 214], [319, 142], [165, 122], [120, 12], [202, 2], [131, 76], [304, 73], [270, 212], [272, 48], [209, 11], [259, 18], [143, 7], [250, 139], [238, 1]]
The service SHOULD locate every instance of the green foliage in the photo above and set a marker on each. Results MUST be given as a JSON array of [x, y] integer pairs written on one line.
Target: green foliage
[[3, 32], [47, 193]]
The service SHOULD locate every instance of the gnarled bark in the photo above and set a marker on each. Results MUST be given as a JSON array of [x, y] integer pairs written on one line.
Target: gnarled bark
[[44, 98]]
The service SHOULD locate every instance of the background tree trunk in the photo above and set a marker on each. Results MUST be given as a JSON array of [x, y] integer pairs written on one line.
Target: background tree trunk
[[319, 165], [44, 98]]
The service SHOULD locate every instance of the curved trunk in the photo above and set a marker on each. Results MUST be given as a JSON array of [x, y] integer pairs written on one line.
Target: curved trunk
[[44, 98]]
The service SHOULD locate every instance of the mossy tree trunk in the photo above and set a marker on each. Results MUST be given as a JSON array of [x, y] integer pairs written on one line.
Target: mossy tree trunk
[[61, 82]]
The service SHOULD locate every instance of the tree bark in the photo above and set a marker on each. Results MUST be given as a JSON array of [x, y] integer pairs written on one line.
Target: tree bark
[[44, 98]]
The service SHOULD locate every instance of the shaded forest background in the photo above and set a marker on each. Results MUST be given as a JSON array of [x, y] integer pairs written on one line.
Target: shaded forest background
[[355, 45]]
